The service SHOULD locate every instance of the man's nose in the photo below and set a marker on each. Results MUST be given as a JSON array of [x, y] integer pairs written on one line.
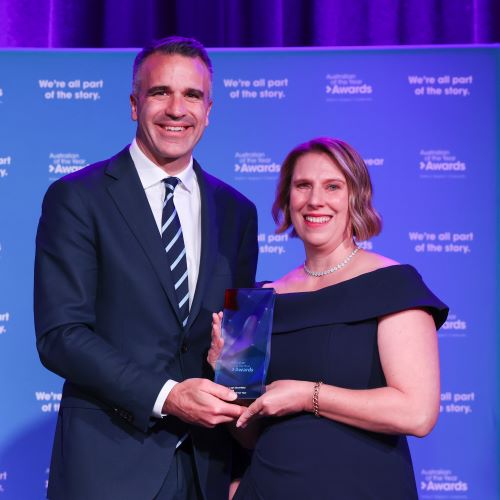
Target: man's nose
[[175, 106]]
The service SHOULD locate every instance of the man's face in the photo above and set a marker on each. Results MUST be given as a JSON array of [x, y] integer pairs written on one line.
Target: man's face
[[171, 106]]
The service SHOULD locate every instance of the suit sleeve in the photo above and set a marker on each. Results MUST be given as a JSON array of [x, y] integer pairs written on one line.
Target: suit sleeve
[[66, 288]]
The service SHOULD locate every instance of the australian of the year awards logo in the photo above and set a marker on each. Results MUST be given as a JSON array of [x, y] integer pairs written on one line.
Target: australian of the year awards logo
[[454, 326], [255, 164], [347, 86], [65, 163], [435, 481], [440, 162]]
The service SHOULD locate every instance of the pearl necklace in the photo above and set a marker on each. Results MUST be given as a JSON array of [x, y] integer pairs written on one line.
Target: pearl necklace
[[318, 274]]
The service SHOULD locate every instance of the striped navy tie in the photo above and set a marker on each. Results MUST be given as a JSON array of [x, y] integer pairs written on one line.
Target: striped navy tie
[[171, 235]]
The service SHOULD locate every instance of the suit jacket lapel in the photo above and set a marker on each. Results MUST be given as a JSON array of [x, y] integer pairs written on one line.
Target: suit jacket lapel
[[128, 194], [209, 238]]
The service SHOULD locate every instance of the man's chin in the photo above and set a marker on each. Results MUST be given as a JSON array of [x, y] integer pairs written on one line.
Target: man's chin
[[176, 160]]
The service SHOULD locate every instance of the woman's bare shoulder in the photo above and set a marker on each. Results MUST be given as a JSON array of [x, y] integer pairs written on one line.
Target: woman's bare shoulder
[[371, 261], [286, 282]]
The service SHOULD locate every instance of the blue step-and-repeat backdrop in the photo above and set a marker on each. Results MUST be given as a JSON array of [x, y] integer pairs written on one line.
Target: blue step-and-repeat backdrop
[[424, 119]]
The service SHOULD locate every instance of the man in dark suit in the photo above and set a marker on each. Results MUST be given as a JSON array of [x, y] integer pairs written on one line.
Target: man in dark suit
[[139, 416]]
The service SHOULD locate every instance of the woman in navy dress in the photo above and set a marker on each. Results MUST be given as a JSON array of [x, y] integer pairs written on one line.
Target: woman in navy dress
[[354, 359]]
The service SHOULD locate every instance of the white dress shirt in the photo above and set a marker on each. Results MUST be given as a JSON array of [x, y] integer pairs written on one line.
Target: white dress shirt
[[187, 203]]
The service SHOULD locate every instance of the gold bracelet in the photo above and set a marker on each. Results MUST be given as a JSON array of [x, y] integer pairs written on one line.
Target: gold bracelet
[[317, 386]]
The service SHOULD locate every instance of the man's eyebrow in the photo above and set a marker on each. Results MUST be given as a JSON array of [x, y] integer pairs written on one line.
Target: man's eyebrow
[[165, 88], [193, 90], [158, 88]]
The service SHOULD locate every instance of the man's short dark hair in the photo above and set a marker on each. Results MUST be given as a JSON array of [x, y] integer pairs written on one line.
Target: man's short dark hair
[[172, 45]]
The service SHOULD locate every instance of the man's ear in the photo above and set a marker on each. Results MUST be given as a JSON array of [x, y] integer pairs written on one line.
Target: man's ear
[[133, 106], [207, 121]]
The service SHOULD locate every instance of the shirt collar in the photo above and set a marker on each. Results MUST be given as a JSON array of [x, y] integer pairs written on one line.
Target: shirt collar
[[151, 174]]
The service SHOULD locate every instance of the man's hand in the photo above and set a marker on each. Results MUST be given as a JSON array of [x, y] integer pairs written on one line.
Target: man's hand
[[202, 402], [217, 340]]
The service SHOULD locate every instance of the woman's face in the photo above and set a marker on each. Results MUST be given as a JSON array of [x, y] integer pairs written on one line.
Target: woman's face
[[319, 202]]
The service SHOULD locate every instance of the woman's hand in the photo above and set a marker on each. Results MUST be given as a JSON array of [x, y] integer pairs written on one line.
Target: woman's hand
[[217, 340], [282, 397]]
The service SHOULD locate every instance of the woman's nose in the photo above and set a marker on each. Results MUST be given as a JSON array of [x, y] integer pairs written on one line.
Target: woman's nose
[[316, 197]]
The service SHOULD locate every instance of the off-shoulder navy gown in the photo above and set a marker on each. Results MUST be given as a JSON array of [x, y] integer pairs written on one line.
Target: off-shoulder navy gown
[[331, 335]]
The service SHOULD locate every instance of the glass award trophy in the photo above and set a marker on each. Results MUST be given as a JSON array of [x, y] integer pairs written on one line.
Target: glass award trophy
[[246, 330]]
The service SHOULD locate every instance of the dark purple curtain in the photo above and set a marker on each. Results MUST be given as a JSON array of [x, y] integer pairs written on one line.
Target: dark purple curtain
[[248, 23]]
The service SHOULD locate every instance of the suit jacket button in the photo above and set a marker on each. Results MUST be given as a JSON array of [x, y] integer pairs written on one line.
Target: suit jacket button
[[184, 347]]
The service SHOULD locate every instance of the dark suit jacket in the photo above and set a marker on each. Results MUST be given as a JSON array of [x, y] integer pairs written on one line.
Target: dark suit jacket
[[106, 320]]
